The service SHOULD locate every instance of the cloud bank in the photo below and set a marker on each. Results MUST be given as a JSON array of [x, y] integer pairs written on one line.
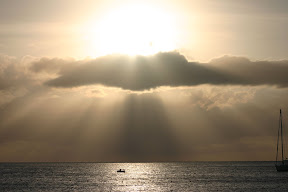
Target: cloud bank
[[163, 69], [140, 73], [91, 123]]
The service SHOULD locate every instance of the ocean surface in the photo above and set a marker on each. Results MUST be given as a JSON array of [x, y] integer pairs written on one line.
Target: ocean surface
[[187, 176]]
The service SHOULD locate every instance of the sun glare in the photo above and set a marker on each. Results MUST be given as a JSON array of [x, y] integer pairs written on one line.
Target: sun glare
[[133, 29]]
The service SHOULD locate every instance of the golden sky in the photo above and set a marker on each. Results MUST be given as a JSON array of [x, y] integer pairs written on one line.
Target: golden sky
[[200, 30], [142, 80]]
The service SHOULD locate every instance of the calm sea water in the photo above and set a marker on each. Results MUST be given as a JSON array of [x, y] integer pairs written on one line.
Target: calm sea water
[[192, 176]]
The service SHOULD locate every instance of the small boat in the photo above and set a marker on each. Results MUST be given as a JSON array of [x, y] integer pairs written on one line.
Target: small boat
[[121, 171], [283, 164]]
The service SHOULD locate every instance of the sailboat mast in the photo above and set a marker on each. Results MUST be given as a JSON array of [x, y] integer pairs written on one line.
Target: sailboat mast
[[278, 137], [283, 166], [281, 136]]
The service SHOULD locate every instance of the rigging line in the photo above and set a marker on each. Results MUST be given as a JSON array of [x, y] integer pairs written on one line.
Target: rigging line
[[281, 136], [285, 139]]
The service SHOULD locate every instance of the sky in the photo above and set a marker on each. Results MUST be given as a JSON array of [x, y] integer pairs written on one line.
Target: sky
[[142, 81]]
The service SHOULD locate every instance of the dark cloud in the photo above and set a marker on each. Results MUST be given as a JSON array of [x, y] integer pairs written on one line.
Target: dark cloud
[[253, 72], [164, 69], [136, 73]]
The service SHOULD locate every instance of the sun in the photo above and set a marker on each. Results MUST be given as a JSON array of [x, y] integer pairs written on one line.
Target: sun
[[132, 29]]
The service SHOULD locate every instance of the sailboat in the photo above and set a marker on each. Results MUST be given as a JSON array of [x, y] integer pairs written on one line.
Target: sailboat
[[283, 164]]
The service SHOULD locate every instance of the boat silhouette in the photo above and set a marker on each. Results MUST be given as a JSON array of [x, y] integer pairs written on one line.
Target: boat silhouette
[[283, 164], [121, 171]]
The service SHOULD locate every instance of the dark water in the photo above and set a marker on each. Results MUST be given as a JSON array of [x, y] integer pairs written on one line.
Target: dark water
[[192, 176]]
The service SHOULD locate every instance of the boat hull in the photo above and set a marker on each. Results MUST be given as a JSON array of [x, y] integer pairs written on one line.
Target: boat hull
[[121, 171]]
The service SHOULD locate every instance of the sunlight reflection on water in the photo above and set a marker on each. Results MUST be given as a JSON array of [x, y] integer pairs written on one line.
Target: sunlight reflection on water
[[194, 176]]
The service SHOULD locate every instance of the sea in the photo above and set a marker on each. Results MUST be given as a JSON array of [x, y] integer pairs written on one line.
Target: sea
[[172, 176]]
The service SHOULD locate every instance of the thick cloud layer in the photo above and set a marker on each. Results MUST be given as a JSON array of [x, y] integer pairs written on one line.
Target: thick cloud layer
[[163, 69], [96, 123]]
